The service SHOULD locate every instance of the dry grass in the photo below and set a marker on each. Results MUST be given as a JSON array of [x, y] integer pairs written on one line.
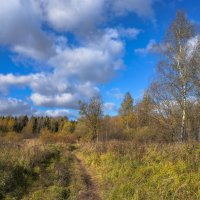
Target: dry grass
[[156, 171]]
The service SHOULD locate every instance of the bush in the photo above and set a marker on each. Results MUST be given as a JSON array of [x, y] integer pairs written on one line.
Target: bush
[[48, 137], [11, 137], [146, 135]]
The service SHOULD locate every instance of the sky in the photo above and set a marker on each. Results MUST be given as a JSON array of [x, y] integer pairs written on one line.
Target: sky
[[54, 53]]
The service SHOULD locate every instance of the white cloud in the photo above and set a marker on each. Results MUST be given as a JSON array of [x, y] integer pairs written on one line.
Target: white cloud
[[73, 71], [68, 98], [129, 32], [56, 113], [109, 106], [9, 80], [143, 8], [152, 47], [191, 46], [62, 100], [96, 61], [15, 107], [74, 15], [70, 15], [20, 30], [115, 92], [76, 71], [48, 94]]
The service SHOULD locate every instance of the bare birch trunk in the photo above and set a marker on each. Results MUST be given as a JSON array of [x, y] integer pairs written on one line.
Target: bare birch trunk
[[183, 124], [182, 74]]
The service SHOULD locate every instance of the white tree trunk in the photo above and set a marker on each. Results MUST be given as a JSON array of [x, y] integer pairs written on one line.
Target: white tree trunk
[[182, 74], [183, 123]]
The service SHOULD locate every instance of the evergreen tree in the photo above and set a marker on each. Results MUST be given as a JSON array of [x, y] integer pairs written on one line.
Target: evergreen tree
[[127, 111], [27, 131], [144, 110]]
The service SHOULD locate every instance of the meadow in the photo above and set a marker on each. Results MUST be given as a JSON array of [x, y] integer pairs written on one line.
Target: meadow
[[30, 170], [40, 169], [129, 171]]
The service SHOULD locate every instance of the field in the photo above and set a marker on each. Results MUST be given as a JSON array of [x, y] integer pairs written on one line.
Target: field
[[31, 170], [153, 172]]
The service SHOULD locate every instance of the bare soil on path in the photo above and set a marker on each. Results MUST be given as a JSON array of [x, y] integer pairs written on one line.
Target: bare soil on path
[[91, 191]]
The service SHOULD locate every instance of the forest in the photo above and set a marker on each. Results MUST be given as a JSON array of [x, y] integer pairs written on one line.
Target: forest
[[150, 150]]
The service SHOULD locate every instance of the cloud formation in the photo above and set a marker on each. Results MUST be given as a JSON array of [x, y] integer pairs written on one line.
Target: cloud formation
[[56, 113], [143, 8], [20, 30], [70, 15], [73, 15], [96, 61], [152, 47], [109, 106], [48, 94], [73, 69], [16, 107]]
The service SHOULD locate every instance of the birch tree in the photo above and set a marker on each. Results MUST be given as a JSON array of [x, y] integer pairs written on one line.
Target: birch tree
[[174, 86]]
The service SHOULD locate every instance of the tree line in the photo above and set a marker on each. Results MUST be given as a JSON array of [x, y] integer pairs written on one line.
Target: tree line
[[33, 126], [168, 111], [170, 108]]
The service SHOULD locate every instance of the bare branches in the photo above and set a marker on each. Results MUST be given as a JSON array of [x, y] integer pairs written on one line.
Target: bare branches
[[92, 113], [178, 74]]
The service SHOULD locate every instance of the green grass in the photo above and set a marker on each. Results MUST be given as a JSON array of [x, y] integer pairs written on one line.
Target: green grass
[[38, 172], [152, 172], [125, 170]]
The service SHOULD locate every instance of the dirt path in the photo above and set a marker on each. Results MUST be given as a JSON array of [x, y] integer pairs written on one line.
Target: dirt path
[[91, 191]]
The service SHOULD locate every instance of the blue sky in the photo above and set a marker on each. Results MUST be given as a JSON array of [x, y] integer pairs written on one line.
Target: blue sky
[[54, 53]]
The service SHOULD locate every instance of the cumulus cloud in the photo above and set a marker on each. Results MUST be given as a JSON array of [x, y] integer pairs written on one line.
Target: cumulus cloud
[[9, 80], [70, 15], [129, 32], [68, 97], [152, 47], [15, 107], [56, 113], [75, 71], [143, 8], [109, 106], [96, 61], [36, 29], [20, 30], [62, 100], [47, 93], [73, 15]]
